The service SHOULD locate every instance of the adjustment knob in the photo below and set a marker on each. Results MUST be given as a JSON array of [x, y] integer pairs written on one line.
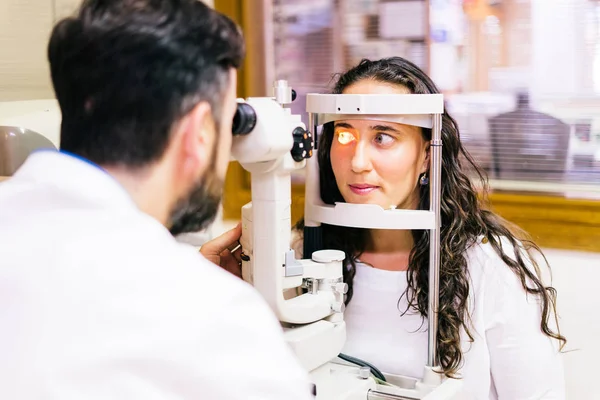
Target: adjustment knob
[[341, 288], [364, 372], [328, 255], [302, 144]]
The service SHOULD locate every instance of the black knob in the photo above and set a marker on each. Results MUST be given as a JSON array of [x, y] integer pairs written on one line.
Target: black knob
[[293, 95], [244, 119], [303, 147]]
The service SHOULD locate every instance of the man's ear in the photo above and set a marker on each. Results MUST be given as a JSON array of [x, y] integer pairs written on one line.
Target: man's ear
[[196, 135]]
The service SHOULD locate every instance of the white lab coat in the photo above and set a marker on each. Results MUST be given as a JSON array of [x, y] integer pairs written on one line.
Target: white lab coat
[[98, 301]]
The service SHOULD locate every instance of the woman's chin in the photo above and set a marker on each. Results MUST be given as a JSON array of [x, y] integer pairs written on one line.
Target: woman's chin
[[357, 199]]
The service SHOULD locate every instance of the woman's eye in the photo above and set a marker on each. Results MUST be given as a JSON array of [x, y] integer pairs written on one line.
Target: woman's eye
[[384, 139], [345, 137]]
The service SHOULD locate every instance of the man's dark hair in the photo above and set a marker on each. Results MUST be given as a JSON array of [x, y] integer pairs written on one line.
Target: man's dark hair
[[125, 71]]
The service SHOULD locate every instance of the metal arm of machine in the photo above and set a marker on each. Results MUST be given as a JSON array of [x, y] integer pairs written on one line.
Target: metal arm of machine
[[271, 143]]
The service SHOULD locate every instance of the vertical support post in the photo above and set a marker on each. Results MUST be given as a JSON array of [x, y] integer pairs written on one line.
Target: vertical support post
[[312, 129], [313, 239], [435, 189]]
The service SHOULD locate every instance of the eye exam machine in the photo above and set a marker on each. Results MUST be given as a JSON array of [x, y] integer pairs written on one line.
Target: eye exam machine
[[271, 143]]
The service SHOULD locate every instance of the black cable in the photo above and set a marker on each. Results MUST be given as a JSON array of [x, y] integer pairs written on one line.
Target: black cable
[[377, 373]]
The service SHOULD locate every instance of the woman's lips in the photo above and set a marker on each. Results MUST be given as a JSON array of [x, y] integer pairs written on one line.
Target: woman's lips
[[363, 189]]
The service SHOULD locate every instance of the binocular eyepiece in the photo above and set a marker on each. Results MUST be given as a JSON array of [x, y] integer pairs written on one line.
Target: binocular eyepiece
[[244, 119]]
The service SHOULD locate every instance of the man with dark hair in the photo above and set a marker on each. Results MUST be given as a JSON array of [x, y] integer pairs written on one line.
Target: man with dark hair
[[97, 299]]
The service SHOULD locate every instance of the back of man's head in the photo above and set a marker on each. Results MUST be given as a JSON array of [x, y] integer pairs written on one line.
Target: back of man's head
[[125, 71]]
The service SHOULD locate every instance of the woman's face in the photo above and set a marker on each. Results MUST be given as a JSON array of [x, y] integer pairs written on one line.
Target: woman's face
[[378, 162]]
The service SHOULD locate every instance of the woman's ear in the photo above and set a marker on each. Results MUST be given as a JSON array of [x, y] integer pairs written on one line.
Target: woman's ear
[[426, 158]]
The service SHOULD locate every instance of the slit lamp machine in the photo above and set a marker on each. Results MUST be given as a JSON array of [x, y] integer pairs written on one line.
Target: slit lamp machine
[[271, 143]]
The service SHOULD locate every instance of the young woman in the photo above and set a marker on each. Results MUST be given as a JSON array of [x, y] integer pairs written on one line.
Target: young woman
[[497, 319]]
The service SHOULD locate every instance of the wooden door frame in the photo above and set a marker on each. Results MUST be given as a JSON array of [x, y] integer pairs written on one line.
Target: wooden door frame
[[252, 17]]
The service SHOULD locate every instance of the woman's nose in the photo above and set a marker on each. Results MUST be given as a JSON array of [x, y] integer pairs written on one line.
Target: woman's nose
[[361, 160]]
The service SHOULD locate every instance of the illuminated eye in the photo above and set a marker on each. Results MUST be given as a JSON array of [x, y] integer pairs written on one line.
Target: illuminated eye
[[345, 137]]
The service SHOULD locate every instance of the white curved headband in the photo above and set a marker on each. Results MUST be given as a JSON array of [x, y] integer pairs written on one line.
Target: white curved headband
[[423, 121], [408, 109]]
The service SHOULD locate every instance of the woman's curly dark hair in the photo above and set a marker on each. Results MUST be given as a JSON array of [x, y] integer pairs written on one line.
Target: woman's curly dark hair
[[463, 215]]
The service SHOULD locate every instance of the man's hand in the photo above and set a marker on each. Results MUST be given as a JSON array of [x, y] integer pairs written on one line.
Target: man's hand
[[218, 251]]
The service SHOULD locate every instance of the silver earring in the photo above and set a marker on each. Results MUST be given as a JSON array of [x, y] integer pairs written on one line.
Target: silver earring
[[424, 180]]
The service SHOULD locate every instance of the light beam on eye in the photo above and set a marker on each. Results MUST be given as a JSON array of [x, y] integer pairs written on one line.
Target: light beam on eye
[[345, 137]]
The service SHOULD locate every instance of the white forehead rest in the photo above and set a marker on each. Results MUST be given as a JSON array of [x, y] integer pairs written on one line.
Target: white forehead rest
[[423, 121], [408, 109]]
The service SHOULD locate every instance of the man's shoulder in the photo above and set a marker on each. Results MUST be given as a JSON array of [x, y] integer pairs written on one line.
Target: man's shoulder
[[187, 265], [222, 304], [194, 294], [192, 262]]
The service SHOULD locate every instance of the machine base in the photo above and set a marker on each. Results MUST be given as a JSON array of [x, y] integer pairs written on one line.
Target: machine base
[[341, 381]]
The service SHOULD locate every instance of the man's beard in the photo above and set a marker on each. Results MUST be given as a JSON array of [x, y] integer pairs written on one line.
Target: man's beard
[[199, 208]]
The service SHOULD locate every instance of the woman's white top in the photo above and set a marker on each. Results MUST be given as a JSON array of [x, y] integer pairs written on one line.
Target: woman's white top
[[510, 357]]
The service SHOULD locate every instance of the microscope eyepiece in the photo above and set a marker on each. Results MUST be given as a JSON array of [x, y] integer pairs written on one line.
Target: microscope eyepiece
[[244, 119]]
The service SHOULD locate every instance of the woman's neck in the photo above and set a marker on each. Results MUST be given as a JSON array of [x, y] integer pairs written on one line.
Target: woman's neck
[[388, 249], [389, 241]]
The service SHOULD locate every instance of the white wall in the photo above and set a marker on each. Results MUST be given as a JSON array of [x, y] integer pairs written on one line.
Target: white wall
[[561, 57], [576, 279], [25, 27]]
